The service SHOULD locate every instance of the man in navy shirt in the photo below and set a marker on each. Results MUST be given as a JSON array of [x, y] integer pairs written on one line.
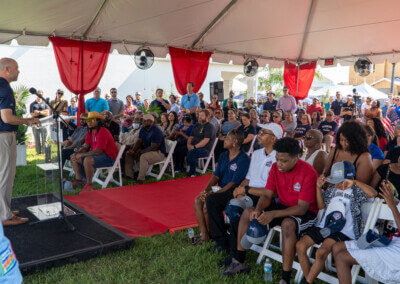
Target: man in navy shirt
[[270, 103], [161, 103], [8, 151], [328, 127], [149, 149], [336, 105]]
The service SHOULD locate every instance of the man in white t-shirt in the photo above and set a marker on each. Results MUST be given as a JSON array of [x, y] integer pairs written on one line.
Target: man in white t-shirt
[[366, 105], [256, 179]]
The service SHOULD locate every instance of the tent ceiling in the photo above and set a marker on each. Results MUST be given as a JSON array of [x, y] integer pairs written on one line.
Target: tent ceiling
[[270, 30]]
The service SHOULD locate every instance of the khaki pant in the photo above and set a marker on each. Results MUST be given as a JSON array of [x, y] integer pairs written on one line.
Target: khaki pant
[[8, 161], [145, 160]]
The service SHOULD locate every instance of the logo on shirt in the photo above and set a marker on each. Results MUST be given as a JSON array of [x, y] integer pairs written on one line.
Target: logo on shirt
[[337, 215], [7, 260], [268, 164], [233, 167], [297, 187]]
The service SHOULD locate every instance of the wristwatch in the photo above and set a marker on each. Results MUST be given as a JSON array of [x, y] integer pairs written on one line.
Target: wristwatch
[[246, 189], [194, 146]]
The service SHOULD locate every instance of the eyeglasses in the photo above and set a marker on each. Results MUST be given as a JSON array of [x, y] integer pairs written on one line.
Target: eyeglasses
[[90, 120], [275, 116], [308, 137], [261, 133], [113, 92], [264, 116], [395, 99], [60, 93]]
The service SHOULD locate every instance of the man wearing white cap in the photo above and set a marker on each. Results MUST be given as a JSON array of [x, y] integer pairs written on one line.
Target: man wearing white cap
[[257, 175]]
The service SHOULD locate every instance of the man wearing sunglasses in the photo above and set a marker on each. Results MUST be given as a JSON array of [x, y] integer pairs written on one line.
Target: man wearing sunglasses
[[115, 105], [328, 128], [190, 102]]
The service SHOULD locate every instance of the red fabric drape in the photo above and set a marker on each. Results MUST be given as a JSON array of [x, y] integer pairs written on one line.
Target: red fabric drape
[[305, 77], [81, 65], [189, 66]]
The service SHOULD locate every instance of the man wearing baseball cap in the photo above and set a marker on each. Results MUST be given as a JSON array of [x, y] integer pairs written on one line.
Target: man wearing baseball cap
[[257, 175], [294, 182], [99, 151], [341, 219], [315, 106], [148, 149]]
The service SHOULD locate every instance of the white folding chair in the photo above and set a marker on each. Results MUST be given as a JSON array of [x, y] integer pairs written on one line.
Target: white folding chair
[[203, 166], [171, 145], [251, 150], [68, 167], [111, 170]]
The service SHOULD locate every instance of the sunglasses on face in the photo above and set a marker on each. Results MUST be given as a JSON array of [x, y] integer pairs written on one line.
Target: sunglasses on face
[[90, 120], [113, 92], [308, 137], [60, 93], [329, 114]]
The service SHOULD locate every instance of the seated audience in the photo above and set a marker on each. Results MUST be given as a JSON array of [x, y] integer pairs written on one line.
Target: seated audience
[[201, 100], [352, 146], [376, 153], [219, 114], [148, 149], [159, 102], [130, 138], [76, 140], [98, 151], [393, 143], [270, 103], [215, 102], [314, 154], [380, 131], [214, 121], [231, 170], [200, 141], [380, 263], [343, 190], [129, 112], [302, 127], [227, 125], [254, 117], [265, 117], [328, 128], [182, 135], [174, 105], [172, 125], [315, 107], [315, 119], [249, 105], [277, 118], [111, 125], [228, 107], [248, 131], [289, 123], [374, 111], [300, 114], [294, 182]]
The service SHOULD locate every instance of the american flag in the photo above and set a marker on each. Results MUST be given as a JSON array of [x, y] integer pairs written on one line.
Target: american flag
[[391, 118]]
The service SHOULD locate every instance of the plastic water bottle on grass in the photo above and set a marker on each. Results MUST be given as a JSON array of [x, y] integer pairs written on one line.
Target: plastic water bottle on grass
[[268, 271], [191, 234]]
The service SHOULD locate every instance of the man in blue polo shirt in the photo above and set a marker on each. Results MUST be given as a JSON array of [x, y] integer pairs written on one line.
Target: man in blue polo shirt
[[190, 102], [336, 105], [8, 150], [96, 103]]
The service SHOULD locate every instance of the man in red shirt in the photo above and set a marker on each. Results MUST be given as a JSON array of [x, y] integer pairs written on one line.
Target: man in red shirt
[[99, 151], [315, 106], [294, 181]]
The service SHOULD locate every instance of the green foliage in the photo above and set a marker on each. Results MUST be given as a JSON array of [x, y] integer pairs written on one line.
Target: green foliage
[[21, 94], [152, 108]]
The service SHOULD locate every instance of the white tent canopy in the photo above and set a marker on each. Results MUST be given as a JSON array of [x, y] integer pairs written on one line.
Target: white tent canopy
[[364, 90], [269, 30]]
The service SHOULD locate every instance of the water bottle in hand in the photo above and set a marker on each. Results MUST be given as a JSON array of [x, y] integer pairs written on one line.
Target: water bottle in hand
[[268, 270], [191, 234]]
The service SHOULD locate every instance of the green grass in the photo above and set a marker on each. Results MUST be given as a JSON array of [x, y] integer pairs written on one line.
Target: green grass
[[163, 258]]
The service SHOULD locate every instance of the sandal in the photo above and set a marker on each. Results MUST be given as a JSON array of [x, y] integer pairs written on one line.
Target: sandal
[[197, 241]]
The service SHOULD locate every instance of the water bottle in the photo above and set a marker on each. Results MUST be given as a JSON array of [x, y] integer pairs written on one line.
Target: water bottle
[[268, 271], [191, 234]]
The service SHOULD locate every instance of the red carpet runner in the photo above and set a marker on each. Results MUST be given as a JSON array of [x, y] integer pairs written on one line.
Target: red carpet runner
[[145, 210]]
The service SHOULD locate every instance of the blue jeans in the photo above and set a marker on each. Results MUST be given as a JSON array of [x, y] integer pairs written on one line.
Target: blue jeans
[[192, 157]]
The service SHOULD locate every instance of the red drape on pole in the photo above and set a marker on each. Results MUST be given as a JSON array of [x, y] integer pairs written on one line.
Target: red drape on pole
[[81, 65], [299, 76], [189, 66]]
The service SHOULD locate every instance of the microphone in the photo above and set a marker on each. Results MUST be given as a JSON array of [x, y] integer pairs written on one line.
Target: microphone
[[34, 92]]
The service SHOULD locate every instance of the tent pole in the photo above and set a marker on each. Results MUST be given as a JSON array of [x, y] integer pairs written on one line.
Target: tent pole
[[297, 83], [94, 17], [214, 23], [303, 41], [392, 82]]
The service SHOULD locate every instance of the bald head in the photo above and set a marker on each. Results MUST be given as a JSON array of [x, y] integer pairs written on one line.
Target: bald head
[[9, 69], [316, 134]]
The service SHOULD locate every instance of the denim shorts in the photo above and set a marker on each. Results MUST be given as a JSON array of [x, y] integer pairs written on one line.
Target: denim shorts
[[102, 161]]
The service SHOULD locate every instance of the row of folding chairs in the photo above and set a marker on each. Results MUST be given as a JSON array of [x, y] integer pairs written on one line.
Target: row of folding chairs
[[375, 211]]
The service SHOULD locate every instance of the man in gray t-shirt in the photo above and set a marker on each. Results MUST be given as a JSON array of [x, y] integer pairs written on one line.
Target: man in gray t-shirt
[[200, 141], [116, 105]]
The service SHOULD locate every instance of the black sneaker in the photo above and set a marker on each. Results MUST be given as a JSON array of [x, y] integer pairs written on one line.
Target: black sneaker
[[226, 262], [235, 268]]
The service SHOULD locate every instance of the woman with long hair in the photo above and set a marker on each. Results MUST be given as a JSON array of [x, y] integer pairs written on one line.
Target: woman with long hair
[[172, 125], [129, 112], [214, 102], [248, 130], [315, 119], [375, 110], [352, 146], [164, 122], [254, 117], [289, 123], [376, 153], [302, 128], [380, 131]]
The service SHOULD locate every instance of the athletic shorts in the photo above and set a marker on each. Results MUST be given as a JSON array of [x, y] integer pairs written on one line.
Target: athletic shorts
[[302, 222], [315, 234], [101, 161]]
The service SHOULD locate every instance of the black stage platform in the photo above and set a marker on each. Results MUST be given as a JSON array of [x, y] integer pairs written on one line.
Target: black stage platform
[[50, 244]]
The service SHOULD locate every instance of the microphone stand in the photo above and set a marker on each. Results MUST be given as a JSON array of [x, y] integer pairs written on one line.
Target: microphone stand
[[62, 216]]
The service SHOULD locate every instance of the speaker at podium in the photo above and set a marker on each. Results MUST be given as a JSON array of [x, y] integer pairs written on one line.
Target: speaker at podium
[[217, 88]]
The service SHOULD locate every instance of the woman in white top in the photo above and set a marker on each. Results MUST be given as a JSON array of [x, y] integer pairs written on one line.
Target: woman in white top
[[314, 154], [380, 263]]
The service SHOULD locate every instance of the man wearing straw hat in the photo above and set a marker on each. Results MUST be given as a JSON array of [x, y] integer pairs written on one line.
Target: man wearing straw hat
[[98, 151]]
